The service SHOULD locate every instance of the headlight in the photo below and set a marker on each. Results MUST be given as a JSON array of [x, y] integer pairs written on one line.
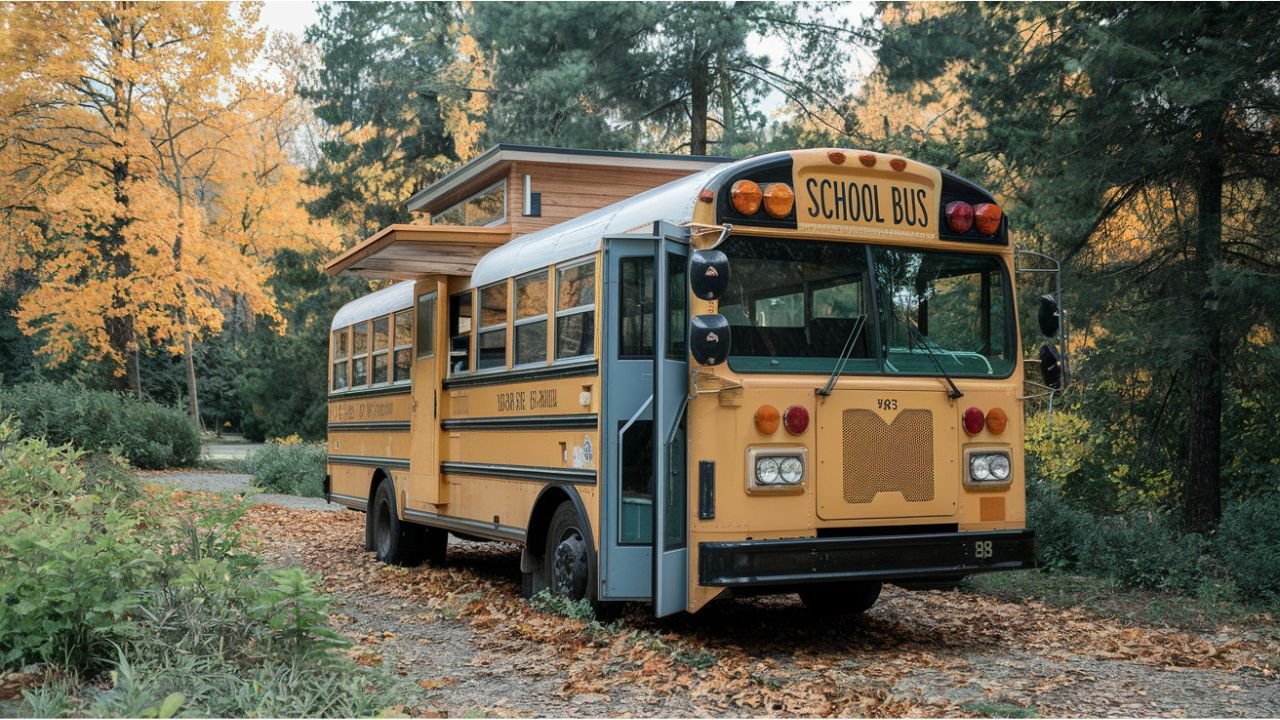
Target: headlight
[[767, 471], [980, 467], [792, 470], [1000, 467]]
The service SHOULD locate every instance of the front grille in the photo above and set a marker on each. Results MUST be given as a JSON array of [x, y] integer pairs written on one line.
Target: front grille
[[888, 457]]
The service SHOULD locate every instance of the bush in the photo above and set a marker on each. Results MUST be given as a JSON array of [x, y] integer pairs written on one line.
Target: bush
[[1059, 526], [289, 466], [1248, 546], [148, 435]]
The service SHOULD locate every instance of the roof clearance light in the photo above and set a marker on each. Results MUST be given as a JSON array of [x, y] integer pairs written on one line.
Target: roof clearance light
[[836, 157], [997, 420], [973, 421], [778, 200], [986, 216], [796, 420], [706, 196], [745, 196], [867, 159], [898, 164], [959, 217], [767, 417]]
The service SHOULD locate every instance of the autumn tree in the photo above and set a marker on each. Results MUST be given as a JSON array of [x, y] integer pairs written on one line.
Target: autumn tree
[[1111, 117], [150, 182]]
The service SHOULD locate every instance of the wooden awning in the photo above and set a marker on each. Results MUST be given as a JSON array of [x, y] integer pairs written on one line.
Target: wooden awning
[[404, 252]]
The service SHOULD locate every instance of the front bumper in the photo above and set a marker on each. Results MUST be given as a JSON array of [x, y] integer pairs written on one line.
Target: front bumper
[[751, 563]]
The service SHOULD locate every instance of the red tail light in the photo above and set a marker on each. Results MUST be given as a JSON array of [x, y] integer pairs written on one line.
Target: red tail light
[[959, 216], [974, 421], [795, 420]]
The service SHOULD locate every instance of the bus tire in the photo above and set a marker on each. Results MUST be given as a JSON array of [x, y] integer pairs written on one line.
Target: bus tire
[[395, 542], [566, 564], [844, 598]]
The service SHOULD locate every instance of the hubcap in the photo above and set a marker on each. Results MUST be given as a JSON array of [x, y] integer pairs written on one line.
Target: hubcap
[[569, 566]]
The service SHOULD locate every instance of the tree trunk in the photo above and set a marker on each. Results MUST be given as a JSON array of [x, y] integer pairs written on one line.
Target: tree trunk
[[726, 105], [1202, 492], [699, 92], [193, 404]]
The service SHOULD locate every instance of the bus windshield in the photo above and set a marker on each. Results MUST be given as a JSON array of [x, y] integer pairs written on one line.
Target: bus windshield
[[794, 305]]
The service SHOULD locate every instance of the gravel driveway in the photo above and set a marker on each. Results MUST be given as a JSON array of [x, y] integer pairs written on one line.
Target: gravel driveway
[[216, 482]]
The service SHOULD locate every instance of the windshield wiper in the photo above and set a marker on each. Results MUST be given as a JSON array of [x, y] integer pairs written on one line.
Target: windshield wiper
[[845, 352], [954, 393]]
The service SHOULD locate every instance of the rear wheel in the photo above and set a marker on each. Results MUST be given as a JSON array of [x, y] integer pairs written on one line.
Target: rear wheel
[[397, 542], [566, 564], [844, 598]]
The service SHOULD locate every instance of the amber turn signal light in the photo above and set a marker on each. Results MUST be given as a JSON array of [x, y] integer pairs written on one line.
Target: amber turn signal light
[[986, 218], [778, 200], [997, 420], [767, 419], [745, 196]]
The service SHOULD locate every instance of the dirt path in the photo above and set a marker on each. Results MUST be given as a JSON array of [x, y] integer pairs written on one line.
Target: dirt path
[[462, 633]]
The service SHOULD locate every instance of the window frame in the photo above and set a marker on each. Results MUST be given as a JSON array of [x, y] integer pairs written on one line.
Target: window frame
[[506, 209], [345, 332], [517, 321], [368, 346], [471, 297], [374, 353], [562, 313], [504, 328]]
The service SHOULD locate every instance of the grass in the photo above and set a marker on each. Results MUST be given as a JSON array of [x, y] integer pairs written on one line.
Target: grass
[[1105, 597], [992, 709]]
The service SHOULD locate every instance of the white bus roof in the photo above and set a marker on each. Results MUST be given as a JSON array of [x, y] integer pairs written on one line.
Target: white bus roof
[[387, 300]]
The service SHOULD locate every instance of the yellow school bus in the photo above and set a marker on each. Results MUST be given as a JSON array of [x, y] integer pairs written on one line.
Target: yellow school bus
[[799, 372]]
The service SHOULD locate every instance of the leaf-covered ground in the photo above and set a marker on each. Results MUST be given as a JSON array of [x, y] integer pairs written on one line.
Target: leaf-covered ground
[[470, 643]]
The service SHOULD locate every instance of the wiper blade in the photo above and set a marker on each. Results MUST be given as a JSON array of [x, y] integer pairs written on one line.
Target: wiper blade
[[954, 393], [859, 323]]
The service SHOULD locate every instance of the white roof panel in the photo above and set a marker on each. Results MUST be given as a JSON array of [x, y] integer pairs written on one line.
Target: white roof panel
[[387, 300]]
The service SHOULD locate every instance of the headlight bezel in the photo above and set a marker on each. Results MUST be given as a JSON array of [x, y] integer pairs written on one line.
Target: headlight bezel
[[778, 456], [981, 464]]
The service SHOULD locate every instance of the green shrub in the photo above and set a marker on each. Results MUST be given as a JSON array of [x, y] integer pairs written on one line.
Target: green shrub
[[1059, 526], [148, 435], [289, 466], [1144, 550], [1248, 546]]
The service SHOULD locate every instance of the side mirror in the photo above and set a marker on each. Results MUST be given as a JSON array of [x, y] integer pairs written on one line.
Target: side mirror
[[708, 274], [709, 339], [1048, 316], [1051, 367]]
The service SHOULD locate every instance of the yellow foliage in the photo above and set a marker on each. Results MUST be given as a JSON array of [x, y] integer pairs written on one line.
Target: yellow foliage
[[1059, 447], [151, 182]]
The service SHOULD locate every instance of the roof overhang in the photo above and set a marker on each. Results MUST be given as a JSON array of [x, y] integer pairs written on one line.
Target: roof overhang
[[404, 252], [463, 182]]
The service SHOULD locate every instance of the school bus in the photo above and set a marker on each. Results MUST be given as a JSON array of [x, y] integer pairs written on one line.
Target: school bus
[[799, 372]]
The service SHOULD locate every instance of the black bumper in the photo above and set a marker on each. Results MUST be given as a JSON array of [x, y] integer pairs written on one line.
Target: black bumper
[[893, 557]]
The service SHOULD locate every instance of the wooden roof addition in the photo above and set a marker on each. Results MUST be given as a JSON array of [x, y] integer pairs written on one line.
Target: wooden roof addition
[[404, 252]]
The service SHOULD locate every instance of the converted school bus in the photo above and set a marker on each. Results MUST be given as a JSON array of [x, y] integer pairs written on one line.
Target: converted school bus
[[670, 377]]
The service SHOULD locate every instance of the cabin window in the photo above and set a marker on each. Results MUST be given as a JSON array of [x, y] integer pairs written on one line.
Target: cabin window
[[381, 350], [531, 319], [341, 353], [486, 208], [460, 332], [426, 336], [491, 342], [575, 310], [359, 354], [636, 275], [402, 351]]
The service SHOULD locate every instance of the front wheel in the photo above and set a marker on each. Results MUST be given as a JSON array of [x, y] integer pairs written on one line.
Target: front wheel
[[844, 598], [397, 542]]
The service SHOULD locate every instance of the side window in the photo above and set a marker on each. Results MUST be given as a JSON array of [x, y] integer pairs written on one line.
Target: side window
[[531, 319], [359, 354], [491, 341], [341, 353], [381, 350], [426, 325], [636, 310], [575, 310], [402, 352], [460, 332]]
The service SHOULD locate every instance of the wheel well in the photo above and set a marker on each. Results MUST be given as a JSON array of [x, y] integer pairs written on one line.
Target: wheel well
[[535, 538], [378, 476]]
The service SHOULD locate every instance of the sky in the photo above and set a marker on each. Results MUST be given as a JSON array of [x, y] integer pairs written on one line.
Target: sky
[[293, 16]]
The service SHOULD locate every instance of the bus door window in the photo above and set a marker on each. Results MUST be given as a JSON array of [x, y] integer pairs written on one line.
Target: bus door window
[[531, 319], [381, 350], [460, 332], [575, 310], [677, 307], [636, 338], [359, 354], [425, 335], [491, 341], [341, 351]]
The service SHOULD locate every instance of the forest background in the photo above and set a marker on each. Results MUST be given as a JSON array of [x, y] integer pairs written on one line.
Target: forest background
[[167, 204]]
